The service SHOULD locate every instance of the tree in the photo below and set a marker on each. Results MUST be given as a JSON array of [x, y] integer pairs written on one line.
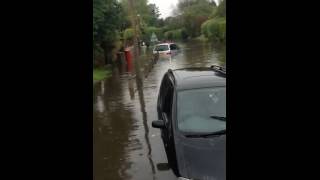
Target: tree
[[194, 13], [215, 28], [160, 23], [106, 22], [149, 13], [154, 14], [140, 8], [221, 10], [173, 22]]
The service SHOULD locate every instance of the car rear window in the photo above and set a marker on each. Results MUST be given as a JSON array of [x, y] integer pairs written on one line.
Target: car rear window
[[162, 48], [173, 47]]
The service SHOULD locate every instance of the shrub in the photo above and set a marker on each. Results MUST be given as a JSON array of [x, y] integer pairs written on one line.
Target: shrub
[[177, 34], [128, 34], [147, 32], [214, 29]]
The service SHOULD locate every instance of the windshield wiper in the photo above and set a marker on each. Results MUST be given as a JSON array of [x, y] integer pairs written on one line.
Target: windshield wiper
[[204, 135], [219, 118]]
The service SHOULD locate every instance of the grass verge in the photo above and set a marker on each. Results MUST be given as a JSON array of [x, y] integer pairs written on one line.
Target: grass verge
[[100, 74]]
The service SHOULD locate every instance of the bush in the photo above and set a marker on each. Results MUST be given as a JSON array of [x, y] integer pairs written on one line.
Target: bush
[[147, 32], [128, 34], [214, 29], [98, 56], [168, 35], [184, 34], [177, 34]]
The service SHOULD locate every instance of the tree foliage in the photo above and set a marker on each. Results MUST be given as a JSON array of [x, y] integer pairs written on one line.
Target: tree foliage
[[147, 16], [190, 15], [215, 28], [107, 21], [220, 11], [154, 14], [128, 34], [149, 13], [176, 34]]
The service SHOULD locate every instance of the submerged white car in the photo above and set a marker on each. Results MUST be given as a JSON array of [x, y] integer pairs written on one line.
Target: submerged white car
[[166, 49]]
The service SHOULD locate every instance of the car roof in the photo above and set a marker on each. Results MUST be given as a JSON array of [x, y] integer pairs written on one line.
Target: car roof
[[193, 78], [164, 44]]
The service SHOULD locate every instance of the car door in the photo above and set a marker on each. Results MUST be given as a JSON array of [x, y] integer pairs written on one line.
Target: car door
[[165, 99], [161, 95], [167, 112]]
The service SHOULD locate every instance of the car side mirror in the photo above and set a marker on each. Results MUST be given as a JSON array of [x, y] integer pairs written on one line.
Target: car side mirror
[[158, 124]]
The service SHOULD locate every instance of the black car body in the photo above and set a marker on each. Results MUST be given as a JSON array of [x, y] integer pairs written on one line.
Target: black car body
[[193, 154]]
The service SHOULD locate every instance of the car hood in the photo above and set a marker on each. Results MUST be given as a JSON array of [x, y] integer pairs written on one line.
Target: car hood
[[201, 158]]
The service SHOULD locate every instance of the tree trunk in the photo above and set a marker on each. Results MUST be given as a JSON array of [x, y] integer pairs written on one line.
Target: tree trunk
[[97, 59], [107, 49]]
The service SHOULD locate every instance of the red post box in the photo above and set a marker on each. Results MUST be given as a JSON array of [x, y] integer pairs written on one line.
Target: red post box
[[128, 59]]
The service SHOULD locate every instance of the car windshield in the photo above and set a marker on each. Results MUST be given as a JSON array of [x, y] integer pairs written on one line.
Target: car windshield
[[202, 110], [162, 48]]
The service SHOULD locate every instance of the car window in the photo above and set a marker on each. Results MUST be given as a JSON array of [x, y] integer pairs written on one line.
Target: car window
[[202, 110], [162, 48], [168, 101], [173, 47], [166, 97], [162, 90]]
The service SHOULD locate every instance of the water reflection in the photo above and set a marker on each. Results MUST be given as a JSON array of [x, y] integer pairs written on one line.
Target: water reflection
[[112, 127], [130, 86], [222, 57], [139, 82], [100, 104], [102, 87]]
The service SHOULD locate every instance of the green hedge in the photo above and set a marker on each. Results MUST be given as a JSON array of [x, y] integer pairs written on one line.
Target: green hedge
[[214, 29], [101, 73], [147, 32], [128, 34], [177, 34]]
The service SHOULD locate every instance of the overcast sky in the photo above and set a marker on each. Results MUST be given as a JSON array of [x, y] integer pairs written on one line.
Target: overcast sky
[[166, 6]]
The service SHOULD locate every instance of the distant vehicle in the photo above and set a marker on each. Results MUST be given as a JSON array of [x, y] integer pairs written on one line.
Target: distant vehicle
[[166, 49], [192, 118]]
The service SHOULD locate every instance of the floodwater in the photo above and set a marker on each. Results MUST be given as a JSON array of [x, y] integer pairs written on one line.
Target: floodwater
[[125, 146]]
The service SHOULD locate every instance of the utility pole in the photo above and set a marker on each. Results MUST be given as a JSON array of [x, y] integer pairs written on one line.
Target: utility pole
[[139, 79], [138, 72], [133, 15]]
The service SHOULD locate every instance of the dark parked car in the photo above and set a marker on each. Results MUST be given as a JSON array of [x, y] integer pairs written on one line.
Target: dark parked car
[[192, 118]]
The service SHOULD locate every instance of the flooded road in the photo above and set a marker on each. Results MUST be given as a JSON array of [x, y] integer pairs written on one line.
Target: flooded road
[[125, 145]]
